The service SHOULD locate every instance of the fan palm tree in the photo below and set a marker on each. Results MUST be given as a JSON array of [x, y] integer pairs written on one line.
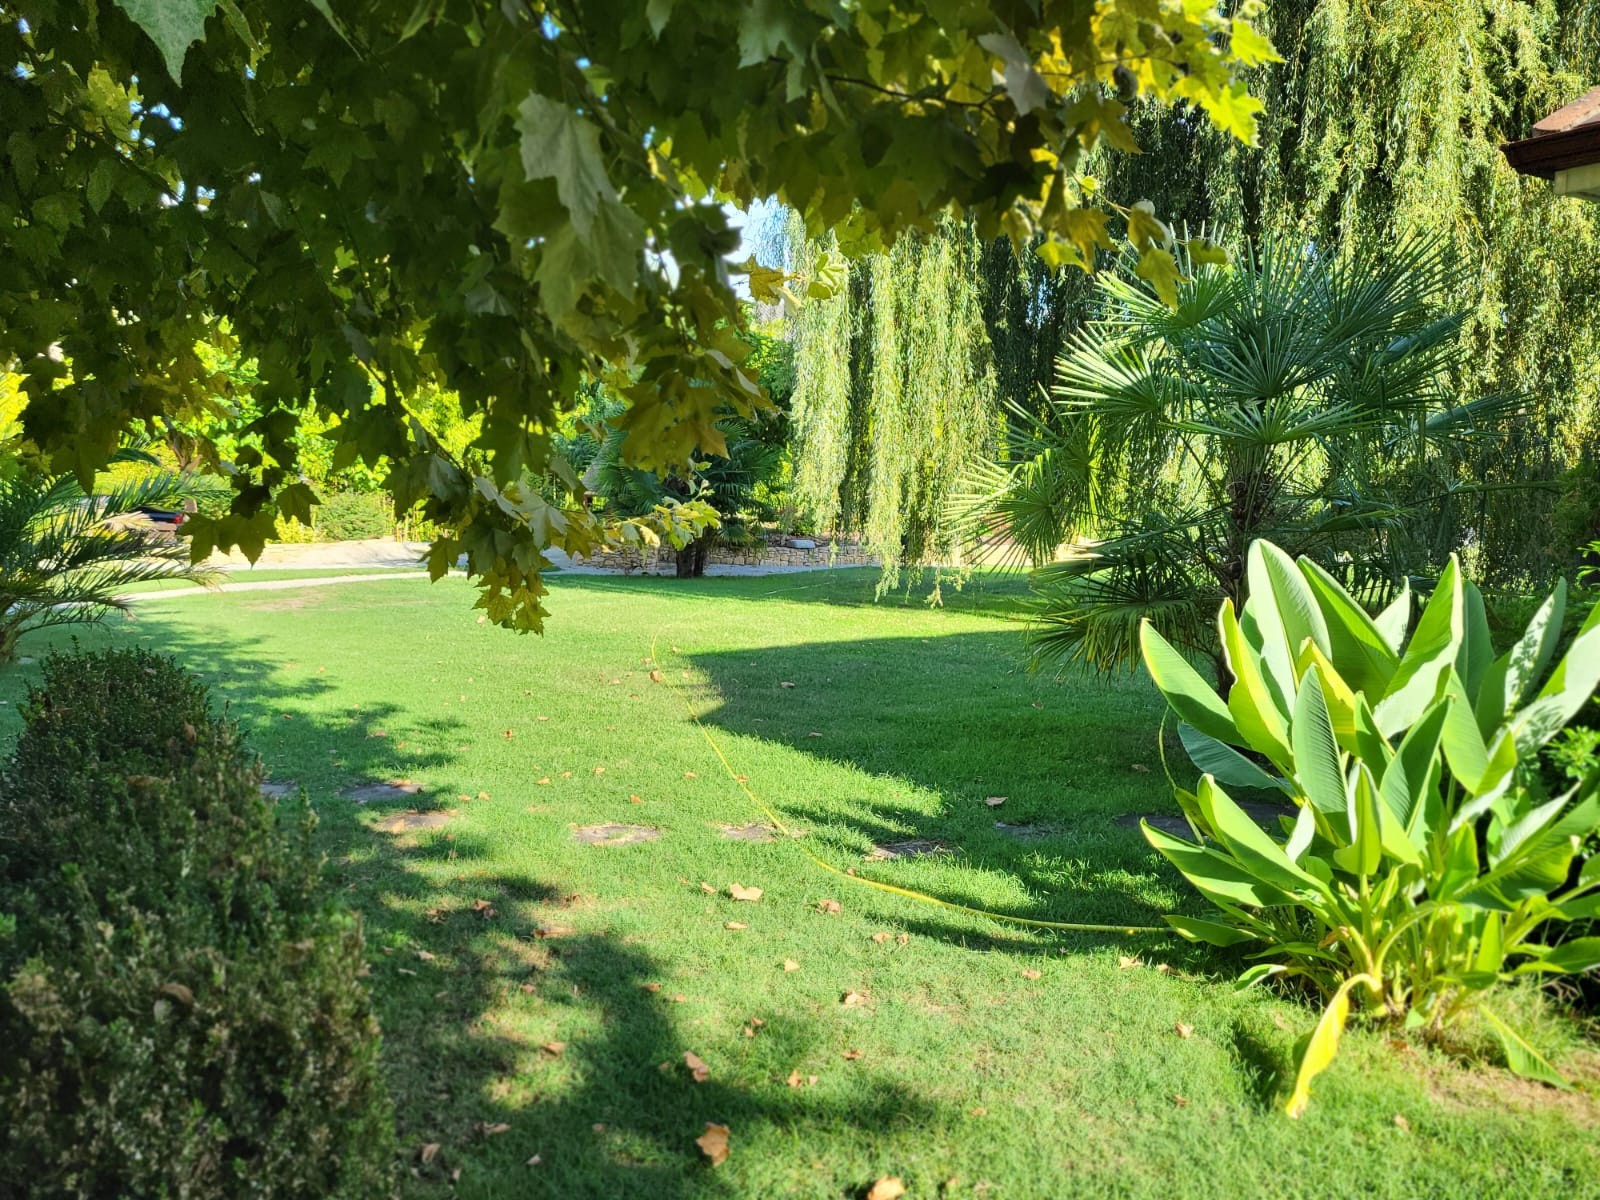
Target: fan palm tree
[[66, 556], [1285, 397]]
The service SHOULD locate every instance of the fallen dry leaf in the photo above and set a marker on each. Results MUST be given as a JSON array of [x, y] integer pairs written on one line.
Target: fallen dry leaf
[[735, 925], [652, 987], [1128, 961], [484, 909], [881, 937], [429, 1151], [545, 780], [1182, 1030], [697, 1066], [425, 955], [1141, 768], [784, 683], [813, 734], [489, 1129], [1036, 704], [739, 892], [795, 1079], [851, 1055], [553, 1049], [655, 676], [995, 801], [1164, 968], [828, 906], [789, 964], [1180, 1100], [679, 998], [599, 770], [544, 718], [708, 888], [713, 1143], [508, 735], [853, 999], [690, 775], [889, 1187], [178, 992], [527, 989], [534, 1161], [1030, 973], [634, 800], [1400, 1123], [904, 939]]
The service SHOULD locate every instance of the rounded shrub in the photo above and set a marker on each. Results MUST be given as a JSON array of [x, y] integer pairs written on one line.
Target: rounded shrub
[[354, 516], [181, 1013]]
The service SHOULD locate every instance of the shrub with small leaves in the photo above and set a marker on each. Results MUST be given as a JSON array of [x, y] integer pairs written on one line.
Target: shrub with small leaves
[[180, 1008]]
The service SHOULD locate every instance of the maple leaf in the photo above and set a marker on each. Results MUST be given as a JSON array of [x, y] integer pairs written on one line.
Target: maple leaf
[[713, 1143], [559, 144], [697, 1066], [173, 25], [890, 1187], [740, 892]]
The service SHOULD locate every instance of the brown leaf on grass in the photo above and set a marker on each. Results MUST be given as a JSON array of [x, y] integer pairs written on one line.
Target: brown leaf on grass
[[1182, 1030], [484, 909], [553, 1049], [508, 735], [713, 1143], [490, 1129], [1399, 1045], [566, 774], [1180, 1100], [534, 1161], [428, 1152], [904, 939], [851, 1055], [853, 999], [483, 795], [881, 937], [1164, 968], [1141, 768], [784, 683], [690, 775], [425, 956], [889, 1187], [995, 801], [1030, 973], [552, 931], [1127, 962], [679, 998], [652, 987], [789, 964], [1400, 1123], [708, 888], [527, 989], [739, 892], [544, 780], [634, 800], [795, 1079], [655, 676], [735, 925], [544, 718], [599, 770], [697, 1066], [813, 734], [828, 906], [1036, 704]]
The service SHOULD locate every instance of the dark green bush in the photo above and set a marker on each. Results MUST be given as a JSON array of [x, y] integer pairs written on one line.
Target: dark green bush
[[180, 1008], [353, 516]]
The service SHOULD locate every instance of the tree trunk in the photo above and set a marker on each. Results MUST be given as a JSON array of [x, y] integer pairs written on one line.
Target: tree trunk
[[690, 562]]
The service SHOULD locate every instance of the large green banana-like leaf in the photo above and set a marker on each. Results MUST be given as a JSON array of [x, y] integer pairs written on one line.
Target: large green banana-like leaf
[[1356, 646], [1219, 877], [1247, 842], [1568, 958], [1255, 713], [1223, 761], [1191, 697], [1429, 655], [1319, 769], [1521, 1057], [1567, 690], [1213, 932], [1507, 681], [1276, 584]]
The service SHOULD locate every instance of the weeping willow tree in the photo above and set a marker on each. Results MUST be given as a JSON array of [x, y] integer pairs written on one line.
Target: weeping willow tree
[[895, 397], [1384, 123]]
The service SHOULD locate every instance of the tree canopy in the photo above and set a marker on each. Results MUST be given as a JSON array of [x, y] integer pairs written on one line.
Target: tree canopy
[[379, 201]]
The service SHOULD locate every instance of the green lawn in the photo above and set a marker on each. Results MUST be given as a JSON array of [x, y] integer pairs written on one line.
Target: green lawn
[[267, 574], [984, 1060]]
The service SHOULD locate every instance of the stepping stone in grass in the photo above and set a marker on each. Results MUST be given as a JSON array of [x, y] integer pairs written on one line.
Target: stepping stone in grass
[[756, 832], [408, 822], [615, 835], [397, 789], [914, 848], [1265, 815], [1024, 832], [278, 790]]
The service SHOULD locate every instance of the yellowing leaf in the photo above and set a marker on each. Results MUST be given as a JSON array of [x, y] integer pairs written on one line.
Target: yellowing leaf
[[1324, 1043], [1159, 269], [713, 1143]]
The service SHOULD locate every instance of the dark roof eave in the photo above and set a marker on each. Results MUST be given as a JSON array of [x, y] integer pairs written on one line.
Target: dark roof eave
[[1551, 152]]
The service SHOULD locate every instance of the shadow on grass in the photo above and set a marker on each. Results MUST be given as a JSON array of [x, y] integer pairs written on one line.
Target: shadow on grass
[[1063, 758], [467, 964]]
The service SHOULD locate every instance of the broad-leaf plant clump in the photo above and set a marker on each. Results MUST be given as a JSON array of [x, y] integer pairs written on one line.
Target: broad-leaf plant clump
[[1425, 862]]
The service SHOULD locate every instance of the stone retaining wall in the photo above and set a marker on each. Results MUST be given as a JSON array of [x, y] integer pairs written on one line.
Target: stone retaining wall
[[843, 554]]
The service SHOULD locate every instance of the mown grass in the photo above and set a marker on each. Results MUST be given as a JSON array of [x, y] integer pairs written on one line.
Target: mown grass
[[968, 1074], [264, 575]]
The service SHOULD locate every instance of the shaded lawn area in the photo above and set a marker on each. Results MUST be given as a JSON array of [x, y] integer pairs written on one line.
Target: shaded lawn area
[[499, 935]]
